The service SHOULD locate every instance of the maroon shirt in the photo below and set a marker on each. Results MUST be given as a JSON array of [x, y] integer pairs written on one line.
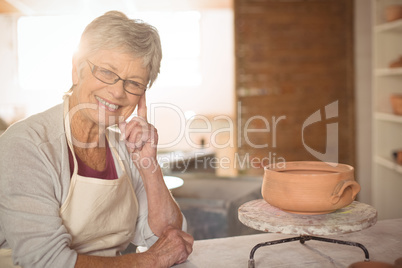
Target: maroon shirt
[[109, 173]]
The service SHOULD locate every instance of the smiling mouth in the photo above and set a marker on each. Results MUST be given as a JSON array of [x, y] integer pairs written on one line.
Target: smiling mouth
[[111, 107]]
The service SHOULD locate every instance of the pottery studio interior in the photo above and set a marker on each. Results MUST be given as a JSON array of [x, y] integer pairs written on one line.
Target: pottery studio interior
[[279, 121]]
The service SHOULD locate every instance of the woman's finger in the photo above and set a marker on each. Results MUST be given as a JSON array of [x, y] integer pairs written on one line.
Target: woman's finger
[[137, 140], [142, 107], [137, 124]]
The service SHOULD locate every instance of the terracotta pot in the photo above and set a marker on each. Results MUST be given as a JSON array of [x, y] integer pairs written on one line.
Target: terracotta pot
[[371, 264], [396, 102], [393, 12], [396, 63], [309, 187], [398, 156], [398, 263]]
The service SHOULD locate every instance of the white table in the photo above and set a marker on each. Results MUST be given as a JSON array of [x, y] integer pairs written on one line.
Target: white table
[[383, 241], [173, 182]]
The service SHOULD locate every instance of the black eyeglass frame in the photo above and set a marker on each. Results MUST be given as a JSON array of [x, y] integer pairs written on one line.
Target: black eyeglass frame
[[95, 67]]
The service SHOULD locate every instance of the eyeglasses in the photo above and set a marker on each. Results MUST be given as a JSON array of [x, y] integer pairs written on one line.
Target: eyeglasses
[[110, 78]]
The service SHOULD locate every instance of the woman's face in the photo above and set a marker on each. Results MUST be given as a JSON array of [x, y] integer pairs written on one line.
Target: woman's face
[[106, 104]]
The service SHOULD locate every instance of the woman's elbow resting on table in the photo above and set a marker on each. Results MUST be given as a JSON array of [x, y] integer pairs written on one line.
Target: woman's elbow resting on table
[[173, 247]]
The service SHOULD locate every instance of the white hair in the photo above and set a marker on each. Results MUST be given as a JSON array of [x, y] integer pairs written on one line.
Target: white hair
[[114, 30]]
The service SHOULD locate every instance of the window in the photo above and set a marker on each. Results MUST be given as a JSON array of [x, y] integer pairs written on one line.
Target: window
[[181, 46], [45, 48], [46, 45]]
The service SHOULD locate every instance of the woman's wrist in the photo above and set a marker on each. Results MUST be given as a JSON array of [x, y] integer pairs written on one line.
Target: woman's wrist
[[145, 164]]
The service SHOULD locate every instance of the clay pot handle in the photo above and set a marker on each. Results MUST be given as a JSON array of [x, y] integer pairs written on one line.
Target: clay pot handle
[[340, 188]]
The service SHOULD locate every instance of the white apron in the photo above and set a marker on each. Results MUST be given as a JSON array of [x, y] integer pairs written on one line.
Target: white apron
[[6, 260], [99, 214]]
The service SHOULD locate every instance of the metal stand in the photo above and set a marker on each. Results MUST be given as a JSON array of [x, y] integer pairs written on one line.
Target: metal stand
[[302, 239]]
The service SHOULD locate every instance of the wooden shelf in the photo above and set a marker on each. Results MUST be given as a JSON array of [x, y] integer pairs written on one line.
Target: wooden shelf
[[387, 127], [388, 72], [389, 26], [388, 117], [388, 163]]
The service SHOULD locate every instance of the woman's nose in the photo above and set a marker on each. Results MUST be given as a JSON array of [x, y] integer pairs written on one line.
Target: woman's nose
[[117, 89]]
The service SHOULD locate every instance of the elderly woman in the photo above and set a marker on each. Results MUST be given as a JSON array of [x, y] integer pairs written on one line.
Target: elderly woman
[[78, 183]]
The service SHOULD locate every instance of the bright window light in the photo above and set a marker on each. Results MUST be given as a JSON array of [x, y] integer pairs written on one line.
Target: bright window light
[[45, 48], [181, 45], [46, 45]]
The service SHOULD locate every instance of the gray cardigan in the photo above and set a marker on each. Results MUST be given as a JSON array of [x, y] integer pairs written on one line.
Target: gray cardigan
[[34, 182]]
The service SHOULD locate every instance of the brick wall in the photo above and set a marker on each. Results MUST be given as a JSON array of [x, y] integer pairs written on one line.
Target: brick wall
[[294, 58]]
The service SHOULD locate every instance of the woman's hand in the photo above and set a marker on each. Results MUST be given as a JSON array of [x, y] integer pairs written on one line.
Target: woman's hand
[[141, 138], [173, 247]]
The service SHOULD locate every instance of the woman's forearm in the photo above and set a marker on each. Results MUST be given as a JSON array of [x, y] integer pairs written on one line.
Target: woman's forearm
[[173, 247], [124, 261], [162, 208]]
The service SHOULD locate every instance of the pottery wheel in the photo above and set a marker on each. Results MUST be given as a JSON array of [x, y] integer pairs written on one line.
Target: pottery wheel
[[260, 215]]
